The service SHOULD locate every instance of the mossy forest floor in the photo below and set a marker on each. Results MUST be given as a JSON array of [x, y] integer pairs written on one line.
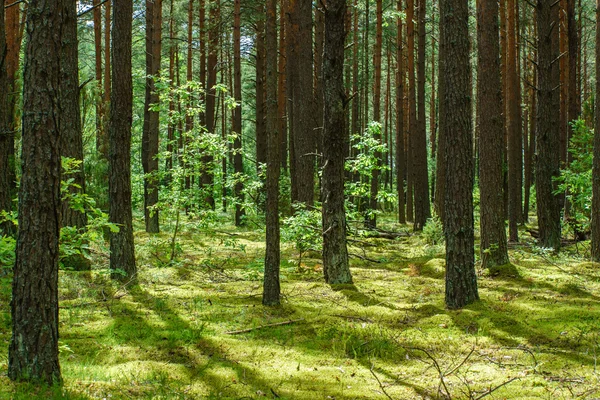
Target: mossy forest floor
[[534, 334]]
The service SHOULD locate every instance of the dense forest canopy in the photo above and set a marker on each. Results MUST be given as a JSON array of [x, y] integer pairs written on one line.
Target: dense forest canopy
[[321, 137]]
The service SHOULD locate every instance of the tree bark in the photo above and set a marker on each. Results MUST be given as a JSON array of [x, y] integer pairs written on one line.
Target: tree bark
[[100, 132], [151, 117], [271, 286], [595, 245], [548, 134], [491, 136], [420, 170], [335, 253], [33, 350], [238, 166], [122, 253], [5, 132], [400, 150], [461, 280]]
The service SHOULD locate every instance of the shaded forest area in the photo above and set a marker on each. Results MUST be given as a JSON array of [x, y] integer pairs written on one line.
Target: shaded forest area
[[295, 199]]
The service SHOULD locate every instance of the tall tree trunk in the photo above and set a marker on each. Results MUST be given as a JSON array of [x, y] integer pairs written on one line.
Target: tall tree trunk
[[5, 133], [461, 280], [238, 166], [207, 176], [335, 252], [33, 350], [301, 60], [432, 103], [100, 131], [122, 253], [71, 141], [171, 126], [400, 150], [261, 133], [189, 76], [371, 220], [271, 288], [491, 136], [317, 65], [107, 78], [440, 164], [412, 106], [595, 245], [151, 117], [513, 120], [420, 170], [282, 86], [548, 135]]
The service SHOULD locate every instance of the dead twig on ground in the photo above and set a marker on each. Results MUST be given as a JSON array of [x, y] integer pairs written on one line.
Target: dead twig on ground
[[292, 321]]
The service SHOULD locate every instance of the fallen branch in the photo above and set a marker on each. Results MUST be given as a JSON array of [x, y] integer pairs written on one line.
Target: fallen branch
[[292, 321], [353, 317], [380, 384], [490, 390], [364, 258]]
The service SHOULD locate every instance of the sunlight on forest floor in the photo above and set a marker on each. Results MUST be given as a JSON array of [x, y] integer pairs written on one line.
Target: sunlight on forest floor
[[387, 336]]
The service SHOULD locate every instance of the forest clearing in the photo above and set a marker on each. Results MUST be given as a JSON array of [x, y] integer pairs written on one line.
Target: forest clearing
[[174, 336]]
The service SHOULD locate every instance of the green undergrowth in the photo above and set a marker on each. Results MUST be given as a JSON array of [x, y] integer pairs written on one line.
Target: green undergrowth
[[534, 334]]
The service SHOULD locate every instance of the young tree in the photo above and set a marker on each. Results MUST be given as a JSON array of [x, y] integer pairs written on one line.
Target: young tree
[[33, 350], [335, 252], [122, 253], [400, 150], [491, 136], [151, 120], [596, 166], [271, 289], [548, 135], [461, 280]]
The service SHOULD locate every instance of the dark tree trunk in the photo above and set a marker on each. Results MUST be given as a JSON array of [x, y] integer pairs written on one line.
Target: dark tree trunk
[[371, 220], [595, 247], [548, 140], [107, 78], [207, 177], [122, 253], [301, 85], [319, 37], [71, 143], [33, 350], [282, 86], [151, 117], [5, 133], [335, 252], [260, 108], [412, 110], [440, 162], [271, 289], [461, 280], [513, 120], [238, 166], [491, 136], [100, 132], [400, 150]]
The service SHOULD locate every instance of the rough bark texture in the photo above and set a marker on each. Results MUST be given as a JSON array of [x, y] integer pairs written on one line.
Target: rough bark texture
[[335, 252], [151, 117], [412, 109], [461, 280], [282, 86], [5, 133], [300, 62], [98, 71], [271, 289], [107, 78], [491, 132], [422, 205], [513, 120], [122, 254], [547, 140], [33, 350], [238, 166], [440, 167], [595, 246], [260, 108], [400, 150]]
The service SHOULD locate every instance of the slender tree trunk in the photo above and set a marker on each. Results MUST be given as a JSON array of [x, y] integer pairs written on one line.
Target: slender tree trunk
[[151, 117], [282, 86], [122, 253], [335, 252], [261, 133], [412, 107], [5, 133], [548, 134], [171, 126], [100, 132], [107, 78], [432, 103], [189, 76], [400, 150], [595, 245], [317, 66], [271, 288], [440, 165], [491, 140], [513, 108], [422, 206], [33, 350], [461, 280], [238, 166]]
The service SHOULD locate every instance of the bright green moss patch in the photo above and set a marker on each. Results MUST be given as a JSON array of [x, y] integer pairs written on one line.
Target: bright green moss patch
[[175, 335]]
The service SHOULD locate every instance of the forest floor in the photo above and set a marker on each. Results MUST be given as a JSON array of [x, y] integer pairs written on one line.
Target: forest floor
[[534, 334]]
